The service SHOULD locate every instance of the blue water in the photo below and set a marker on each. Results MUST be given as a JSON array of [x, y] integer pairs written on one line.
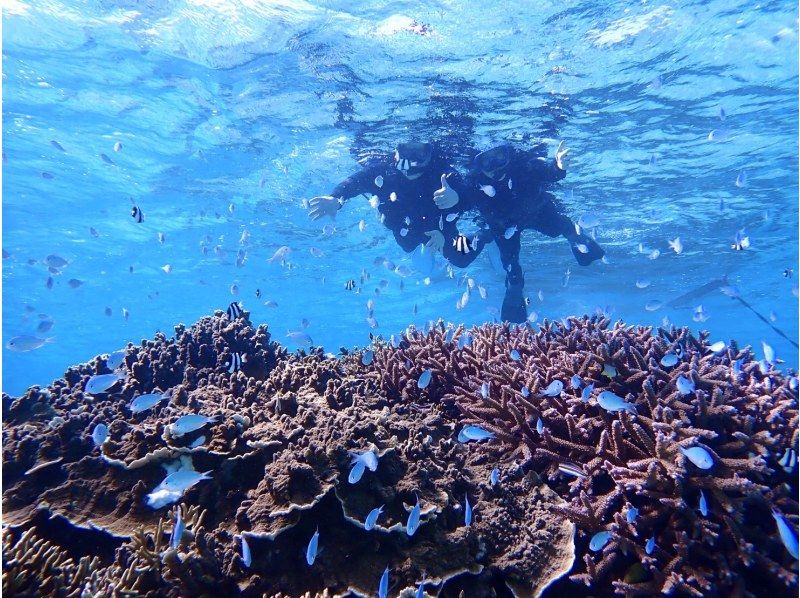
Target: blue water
[[230, 114]]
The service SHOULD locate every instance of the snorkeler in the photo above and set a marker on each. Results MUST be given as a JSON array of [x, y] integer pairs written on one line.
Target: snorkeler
[[507, 187], [412, 189]]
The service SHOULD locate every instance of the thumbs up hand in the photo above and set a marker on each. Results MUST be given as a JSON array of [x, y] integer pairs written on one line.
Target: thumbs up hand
[[446, 197]]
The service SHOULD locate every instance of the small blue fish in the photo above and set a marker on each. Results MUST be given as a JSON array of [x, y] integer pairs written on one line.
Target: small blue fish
[[631, 515], [703, 504], [485, 390], [424, 379], [717, 347], [100, 383], [539, 425], [247, 557], [611, 402], [684, 385], [474, 433], [609, 371], [311, 551], [145, 402], [699, 456], [575, 382], [787, 462], [737, 366], [100, 434], [769, 353], [587, 392], [553, 389], [669, 360], [366, 358], [420, 593], [525, 392], [413, 519], [465, 340], [383, 587], [467, 511], [115, 359], [599, 540], [515, 355], [188, 423], [788, 535], [356, 472], [372, 517], [448, 335], [651, 545], [177, 530], [494, 477]]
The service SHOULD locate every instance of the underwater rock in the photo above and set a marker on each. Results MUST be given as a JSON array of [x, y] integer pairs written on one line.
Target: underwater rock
[[277, 455]]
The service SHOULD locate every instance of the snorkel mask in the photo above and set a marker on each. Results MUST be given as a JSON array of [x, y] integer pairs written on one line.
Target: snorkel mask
[[493, 162], [411, 158]]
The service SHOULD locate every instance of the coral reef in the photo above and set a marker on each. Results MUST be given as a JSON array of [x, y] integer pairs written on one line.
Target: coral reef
[[635, 481], [277, 449]]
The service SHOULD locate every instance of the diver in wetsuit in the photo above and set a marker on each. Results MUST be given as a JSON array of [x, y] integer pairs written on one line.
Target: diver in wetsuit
[[415, 187], [507, 186]]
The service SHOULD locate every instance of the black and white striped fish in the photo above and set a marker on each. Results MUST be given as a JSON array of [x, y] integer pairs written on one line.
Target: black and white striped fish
[[236, 361], [461, 243], [788, 461], [403, 165], [137, 214], [234, 311], [350, 284]]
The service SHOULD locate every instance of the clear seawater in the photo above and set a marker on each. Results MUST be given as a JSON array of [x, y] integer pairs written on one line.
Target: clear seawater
[[230, 114]]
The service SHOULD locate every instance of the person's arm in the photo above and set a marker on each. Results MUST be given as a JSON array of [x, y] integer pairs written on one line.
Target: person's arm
[[361, 182], [549, 171]]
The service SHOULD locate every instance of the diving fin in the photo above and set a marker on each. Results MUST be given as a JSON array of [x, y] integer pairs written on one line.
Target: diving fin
[[592, 252]]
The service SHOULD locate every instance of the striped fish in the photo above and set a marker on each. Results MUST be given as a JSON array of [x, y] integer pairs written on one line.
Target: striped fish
[[137, 214], [350, 284], [234, 311], [237, 359], [788, 461], [571, 469], [461, 243]]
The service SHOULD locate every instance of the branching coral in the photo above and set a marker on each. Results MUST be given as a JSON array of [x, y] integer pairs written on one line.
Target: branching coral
[[743, 414]]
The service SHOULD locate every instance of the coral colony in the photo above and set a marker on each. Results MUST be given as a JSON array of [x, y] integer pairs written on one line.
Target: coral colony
[[635, 461]]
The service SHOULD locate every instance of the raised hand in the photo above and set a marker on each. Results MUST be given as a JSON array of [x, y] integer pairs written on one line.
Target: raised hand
[[323, 205], [436, 239], [446, 197]]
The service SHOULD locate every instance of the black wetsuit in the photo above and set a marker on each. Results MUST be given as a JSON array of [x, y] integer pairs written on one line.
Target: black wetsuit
[[413, 212], [520, 200]]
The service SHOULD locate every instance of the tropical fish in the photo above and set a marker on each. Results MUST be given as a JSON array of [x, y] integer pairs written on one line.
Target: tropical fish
[[575, 382], [57, 145], [280, 254], [769, 353], [236, 361], [631, 515], [413, 519], [788, 461], [717, 347], [100, 383], [300, 337], [247, 557], [587, 392], [424, 379], [145, 402], [553, 389], [699, 456], [703, 504], [642, 284], [539, 425], [515, 355], [117, 146], [372, 517], [676, 245], [383, 586], [25, 342], [787, 534], [650, 546], [100, 434], [189, 423], [525, 392], [184, 479], [467, 511], [468, 433], [177, 530], [494, 477], [510, 232], [741, 241], [684, 385], [609, 371], [741, 179], [611, 402], [571, 469], [489, 191], [367, 357], [137, 214], [669, 360], [234, 311], [599, 540], [311, 550], [461, 243]]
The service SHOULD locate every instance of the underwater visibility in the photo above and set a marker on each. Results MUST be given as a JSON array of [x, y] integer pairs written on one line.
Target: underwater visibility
[[448, 299]]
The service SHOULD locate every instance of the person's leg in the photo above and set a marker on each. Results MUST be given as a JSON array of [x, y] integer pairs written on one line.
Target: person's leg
[[513, 309]]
